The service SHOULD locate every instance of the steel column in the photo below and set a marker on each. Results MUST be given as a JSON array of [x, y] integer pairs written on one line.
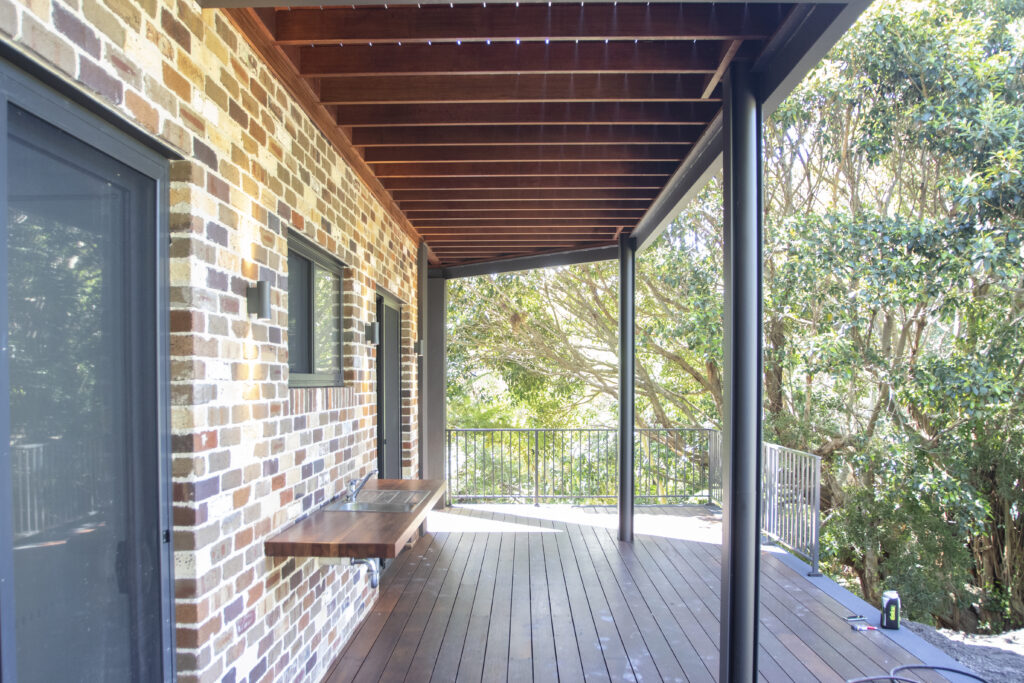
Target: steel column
[[741, 539], [423, 412], [435, 361], [627, 350]]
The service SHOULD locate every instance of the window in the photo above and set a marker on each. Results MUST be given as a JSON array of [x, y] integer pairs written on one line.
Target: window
[[314, 316]]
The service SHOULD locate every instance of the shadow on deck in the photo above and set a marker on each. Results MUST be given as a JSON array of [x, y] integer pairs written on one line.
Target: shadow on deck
[[521, 593]]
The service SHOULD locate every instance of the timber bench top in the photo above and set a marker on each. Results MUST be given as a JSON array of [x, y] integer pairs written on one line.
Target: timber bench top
[[331, 533]]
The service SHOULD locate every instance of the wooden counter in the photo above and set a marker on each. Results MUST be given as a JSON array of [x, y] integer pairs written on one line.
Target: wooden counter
[[327, 533]]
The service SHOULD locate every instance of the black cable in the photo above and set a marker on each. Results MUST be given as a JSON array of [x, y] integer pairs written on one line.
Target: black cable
[[892, 675], [929, 667]]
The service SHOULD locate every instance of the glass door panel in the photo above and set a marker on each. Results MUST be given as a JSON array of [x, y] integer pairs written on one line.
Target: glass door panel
[[83, 446]]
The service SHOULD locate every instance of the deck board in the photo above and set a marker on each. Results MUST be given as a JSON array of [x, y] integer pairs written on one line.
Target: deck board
[[507, 593]]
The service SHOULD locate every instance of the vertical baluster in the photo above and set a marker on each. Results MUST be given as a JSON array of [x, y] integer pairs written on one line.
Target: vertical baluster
[[804, 503], [571, 490], [791, 474], [815, 517]]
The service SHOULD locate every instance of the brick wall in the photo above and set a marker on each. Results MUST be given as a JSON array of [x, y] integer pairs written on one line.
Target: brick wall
[[250, 455]]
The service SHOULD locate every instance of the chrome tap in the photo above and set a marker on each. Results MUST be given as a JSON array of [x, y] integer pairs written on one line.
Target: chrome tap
[[354, 487]]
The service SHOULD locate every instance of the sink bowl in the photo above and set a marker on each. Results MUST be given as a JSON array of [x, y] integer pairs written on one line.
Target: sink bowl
[[381, 500]]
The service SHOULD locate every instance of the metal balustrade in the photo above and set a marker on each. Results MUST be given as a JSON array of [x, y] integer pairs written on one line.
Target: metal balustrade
[[39, 500], [580, 466], [790, 497], [574, 465]]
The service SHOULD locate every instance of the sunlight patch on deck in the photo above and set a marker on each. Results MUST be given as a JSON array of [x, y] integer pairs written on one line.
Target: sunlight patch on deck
[[438, 521], [694, 523]]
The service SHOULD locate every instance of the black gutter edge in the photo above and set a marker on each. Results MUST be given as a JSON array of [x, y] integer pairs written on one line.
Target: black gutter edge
[[549, 260]]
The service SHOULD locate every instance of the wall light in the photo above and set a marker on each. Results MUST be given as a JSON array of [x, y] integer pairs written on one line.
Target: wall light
[[257, 299], [372, 332]]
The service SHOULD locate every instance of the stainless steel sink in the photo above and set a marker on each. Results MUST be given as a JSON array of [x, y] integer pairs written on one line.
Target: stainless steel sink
[[381, 501]]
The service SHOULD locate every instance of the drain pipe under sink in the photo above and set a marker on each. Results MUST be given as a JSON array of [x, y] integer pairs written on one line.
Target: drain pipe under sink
[[372, 567]]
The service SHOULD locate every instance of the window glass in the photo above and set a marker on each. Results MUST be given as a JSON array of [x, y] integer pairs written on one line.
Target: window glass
[[299, 350], [314, 317], [327, 321], [83, 474]]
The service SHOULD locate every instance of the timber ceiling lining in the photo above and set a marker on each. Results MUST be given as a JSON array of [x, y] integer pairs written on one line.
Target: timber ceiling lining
[[502, 131]]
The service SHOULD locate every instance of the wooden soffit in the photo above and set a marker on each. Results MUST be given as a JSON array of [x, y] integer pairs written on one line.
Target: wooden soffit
[[503, 130]]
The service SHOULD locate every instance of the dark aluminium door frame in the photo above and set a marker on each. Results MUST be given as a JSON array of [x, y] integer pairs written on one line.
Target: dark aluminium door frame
[[389, 385], [90, 122]]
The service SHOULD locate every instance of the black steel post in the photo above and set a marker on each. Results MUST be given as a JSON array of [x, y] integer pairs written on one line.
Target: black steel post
[[741, 446], [627, 318], [435, 361], [422, 312]]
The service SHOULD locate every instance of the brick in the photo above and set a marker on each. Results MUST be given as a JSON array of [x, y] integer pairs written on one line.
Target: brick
[[176, 30], [258, 670], [233, 610], [160, 96], [76, 31], [8, 18], [144, 114], [124, 68], [194, 637], [51, 48], [194, 443], [128, 11], [189, 515], [217, 233], [216, 93], [187, 321], [192, 120], [218, 188], [100, 18], [236, 112], [194, 491], [177, 83], [175, 134], [204, 153]]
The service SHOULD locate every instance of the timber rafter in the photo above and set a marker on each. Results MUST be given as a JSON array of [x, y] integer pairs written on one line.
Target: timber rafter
[[502, 130]]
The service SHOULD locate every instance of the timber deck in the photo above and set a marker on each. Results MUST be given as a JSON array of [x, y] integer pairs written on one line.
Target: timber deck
[[522, 593]]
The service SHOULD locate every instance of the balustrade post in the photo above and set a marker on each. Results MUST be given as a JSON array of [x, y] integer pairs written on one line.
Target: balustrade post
[[816, 519], [708, 436], [536, 470]]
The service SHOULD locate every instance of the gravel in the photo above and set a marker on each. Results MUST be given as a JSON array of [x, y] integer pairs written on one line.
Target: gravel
[[999, 658]]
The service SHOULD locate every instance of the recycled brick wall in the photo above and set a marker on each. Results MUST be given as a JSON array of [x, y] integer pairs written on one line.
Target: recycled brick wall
[[250, 455]]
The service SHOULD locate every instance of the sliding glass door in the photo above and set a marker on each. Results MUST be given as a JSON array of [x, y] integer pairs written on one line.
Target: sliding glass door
[[83, 562]]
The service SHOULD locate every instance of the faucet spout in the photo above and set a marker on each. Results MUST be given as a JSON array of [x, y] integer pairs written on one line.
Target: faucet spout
[[355, 486]]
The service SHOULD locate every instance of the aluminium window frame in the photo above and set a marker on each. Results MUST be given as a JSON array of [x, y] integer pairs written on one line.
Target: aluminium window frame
[[318, 258]]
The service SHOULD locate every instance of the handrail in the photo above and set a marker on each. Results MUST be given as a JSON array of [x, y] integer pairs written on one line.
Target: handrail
[[673, 465]]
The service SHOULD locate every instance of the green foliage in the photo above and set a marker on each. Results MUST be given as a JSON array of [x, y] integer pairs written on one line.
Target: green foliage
[[894, 303]]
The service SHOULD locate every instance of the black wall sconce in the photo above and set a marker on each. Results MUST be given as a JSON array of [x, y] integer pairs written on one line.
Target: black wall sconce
[[257, 300], [372, 333], [417, 347]]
